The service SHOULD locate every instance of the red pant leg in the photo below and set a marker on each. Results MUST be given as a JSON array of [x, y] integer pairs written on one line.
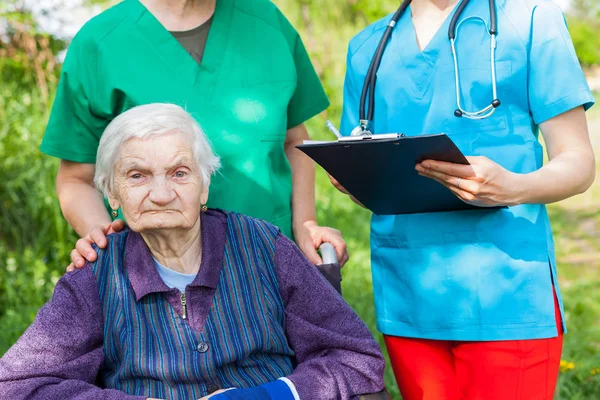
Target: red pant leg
[[423, 368], [509, 370]]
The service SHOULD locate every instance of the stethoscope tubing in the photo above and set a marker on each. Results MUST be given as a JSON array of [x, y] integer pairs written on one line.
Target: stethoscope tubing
[[490, 109], [375, 62], [368, 89]]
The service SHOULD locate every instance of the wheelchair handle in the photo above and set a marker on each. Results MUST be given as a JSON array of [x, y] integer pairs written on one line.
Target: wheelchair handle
[[328, 253]]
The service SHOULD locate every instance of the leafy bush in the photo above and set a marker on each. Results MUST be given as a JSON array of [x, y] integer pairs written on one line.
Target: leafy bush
[[34, 237], [586, 40]]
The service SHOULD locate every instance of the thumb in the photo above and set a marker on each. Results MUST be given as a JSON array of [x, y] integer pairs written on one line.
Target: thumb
[[116, 226], [310, 252]]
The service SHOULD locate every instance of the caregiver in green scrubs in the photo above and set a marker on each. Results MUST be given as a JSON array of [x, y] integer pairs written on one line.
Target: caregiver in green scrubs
[[238, 66]]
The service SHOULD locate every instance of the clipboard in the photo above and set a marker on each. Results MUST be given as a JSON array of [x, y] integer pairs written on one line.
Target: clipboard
[[379, 170]]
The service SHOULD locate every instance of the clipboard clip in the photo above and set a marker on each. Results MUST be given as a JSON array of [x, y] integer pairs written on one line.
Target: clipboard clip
[[371, 137], [365, 135]]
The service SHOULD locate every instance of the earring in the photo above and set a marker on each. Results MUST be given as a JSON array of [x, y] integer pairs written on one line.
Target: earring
[[114, 213], [204, 208]]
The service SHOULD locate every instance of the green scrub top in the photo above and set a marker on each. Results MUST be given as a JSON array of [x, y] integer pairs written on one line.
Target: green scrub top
[[255, 81]]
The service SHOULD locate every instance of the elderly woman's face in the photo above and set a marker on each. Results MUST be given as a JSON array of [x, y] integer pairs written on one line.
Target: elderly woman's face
[[157, 183]]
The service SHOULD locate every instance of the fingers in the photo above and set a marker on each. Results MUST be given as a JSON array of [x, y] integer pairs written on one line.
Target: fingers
[[334, 237], [318, 235], [71, 267], [310, 251], [457, 170], [77, 260], [460, 192], [355, 200], [337, 185], [340, 249], [84, 249], [453, 182], [98, 235], [345, 258], [441, 177], [116, 226]]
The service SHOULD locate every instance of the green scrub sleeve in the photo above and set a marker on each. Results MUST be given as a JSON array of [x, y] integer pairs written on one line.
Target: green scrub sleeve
[[309, 98], [73, 131]]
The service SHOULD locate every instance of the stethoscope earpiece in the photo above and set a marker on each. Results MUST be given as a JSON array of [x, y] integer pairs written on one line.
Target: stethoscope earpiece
[[458, 113], [496, 103]]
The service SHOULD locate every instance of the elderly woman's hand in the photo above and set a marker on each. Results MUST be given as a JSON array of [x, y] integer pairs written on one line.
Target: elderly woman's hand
[[483, 183], [309, 236], [83, 249]]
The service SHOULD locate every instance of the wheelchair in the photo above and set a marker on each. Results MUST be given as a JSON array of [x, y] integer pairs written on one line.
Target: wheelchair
[[331, 270]]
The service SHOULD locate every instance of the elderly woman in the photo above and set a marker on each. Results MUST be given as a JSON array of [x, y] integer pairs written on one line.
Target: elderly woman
[[187, 301]]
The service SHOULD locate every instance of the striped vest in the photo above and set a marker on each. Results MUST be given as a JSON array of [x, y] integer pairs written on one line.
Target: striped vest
[[151, 351]]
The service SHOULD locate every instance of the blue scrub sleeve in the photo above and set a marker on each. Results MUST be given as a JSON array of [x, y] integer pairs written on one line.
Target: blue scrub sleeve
[[556, 81], [352, 92]]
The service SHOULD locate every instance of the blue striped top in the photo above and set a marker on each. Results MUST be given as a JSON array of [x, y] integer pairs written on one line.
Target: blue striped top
[[151, 350]]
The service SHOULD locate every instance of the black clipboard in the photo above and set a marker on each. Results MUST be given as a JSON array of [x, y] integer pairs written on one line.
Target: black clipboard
[[380, 171]]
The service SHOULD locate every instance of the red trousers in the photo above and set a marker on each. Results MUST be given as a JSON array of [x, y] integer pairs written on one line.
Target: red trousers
[[501, 370]]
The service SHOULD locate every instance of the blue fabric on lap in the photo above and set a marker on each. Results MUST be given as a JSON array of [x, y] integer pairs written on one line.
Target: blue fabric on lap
[[276, 390]]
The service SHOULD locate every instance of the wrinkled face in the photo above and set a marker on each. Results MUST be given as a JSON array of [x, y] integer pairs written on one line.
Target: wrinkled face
[[157, 183]]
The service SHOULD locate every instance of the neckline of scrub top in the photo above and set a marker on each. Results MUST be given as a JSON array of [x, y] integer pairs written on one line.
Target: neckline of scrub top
[[430, 52], [420, 64], [173, 52]]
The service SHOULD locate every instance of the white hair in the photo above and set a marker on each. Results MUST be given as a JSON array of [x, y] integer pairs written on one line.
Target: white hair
[[144, 122]]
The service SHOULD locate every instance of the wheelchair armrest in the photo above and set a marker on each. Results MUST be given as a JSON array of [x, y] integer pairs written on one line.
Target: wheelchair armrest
[[330, 268], [332, 273], [376, 396]]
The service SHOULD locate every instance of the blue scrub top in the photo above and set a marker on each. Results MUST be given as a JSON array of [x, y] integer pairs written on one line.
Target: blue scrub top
[[483, 274]]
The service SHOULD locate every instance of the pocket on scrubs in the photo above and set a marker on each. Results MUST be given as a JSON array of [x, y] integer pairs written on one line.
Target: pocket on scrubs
[[476, 94], [391, 289], [492, 288]]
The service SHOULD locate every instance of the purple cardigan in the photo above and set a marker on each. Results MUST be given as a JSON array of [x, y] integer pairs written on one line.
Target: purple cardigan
[[60, 355]]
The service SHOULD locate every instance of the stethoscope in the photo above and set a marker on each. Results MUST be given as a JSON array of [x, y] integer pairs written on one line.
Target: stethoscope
[[365, 119]]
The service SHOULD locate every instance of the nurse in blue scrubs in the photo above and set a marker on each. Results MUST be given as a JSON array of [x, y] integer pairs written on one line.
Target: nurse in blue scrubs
[[468, 301]]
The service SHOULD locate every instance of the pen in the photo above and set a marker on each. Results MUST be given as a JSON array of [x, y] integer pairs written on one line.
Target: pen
[[333, 129]]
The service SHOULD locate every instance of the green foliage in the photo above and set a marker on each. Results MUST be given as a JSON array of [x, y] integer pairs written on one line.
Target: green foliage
[[35, 240], [584, 22], [34, 237], [586, 40]]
